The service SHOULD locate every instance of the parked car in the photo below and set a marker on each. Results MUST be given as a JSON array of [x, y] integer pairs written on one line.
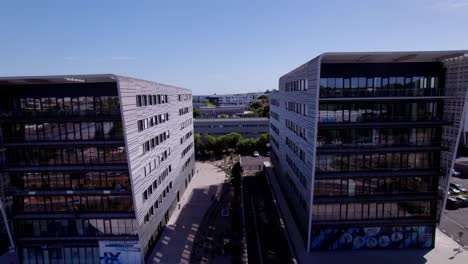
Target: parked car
[[256, 154], [453, 191], [456, 173], [458, 187], [462, 200], [452, 203]]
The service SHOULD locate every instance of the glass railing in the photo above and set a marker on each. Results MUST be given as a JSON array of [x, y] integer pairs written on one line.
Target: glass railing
[[377, 92], [371, 117]]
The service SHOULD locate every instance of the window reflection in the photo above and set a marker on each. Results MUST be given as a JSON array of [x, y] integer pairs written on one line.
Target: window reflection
[[380, 86]]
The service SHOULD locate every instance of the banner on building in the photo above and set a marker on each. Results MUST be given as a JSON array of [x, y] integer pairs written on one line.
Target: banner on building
[[119, 252]]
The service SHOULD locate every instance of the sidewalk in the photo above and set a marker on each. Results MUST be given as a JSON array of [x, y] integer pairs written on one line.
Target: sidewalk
[[444, 252], [175, 244]]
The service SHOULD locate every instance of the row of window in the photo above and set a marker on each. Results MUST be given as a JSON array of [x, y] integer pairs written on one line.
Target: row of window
[[297, 172], [152, 165], [69, 105], [295, 149], [390, 86], [372, 211], [75, 227], [157, 182], [186, 123], [274, 141], [297, 192], [186, 137], [90, 180], [374, 185], [186, 149], [152, 121], [184, 97], [62, 131], [295, 86], [377, 111], [65, 156], [154, 142], [185, 110], [379, 136], [297, 108], [297, 129], [151, 99], [274, 128], [90, 203], [65, 254], [274, 115], [157, 203], [187, 162], [394, 161]]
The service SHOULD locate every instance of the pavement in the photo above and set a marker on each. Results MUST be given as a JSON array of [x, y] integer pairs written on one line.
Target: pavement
[[446, 249], [176, 242]]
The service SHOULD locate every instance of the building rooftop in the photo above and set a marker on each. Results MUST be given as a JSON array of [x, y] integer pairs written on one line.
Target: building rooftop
[[72, 78], [396, 56]]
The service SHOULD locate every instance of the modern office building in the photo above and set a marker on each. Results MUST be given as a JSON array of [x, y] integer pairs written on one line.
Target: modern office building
[[247, 127], [94, 164], [363, 145]]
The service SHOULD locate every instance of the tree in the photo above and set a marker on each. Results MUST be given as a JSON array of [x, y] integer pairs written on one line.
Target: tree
[[210, 144], [223, 116], [262, 143], [198, 144], [196, 112], [263, 97], [266, 111], [247, 146]]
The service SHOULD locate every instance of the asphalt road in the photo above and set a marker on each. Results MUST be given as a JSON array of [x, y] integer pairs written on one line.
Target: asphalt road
[[266, 242], [455, 221]]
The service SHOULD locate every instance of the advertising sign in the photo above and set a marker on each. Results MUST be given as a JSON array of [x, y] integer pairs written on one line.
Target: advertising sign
[[119, 252]]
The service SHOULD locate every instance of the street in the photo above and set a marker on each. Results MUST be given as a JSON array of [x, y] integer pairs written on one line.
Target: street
[[265, 239], [453, 222]]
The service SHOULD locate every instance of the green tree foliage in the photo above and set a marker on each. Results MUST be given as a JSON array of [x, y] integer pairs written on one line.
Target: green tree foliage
[[199, 147], [232, 142], [196, 112]]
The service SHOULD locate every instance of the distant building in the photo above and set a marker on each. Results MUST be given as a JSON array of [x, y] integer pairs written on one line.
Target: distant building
[[94, 164], [216, 111], [247, 127], [363, 145], [241, 99]]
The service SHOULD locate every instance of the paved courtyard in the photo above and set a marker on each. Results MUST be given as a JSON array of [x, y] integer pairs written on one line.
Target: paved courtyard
[[176, 242]]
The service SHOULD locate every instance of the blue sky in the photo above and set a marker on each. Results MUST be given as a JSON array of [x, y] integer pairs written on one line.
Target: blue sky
[[214, 46]]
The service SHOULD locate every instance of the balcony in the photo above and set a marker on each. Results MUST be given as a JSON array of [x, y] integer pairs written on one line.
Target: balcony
[[354, 93], [71, 168], [60, 115], [373, 222], [380, 172], [403, 197], [81, 190]]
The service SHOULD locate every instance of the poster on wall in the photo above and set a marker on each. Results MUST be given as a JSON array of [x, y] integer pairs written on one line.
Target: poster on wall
[[119, 252], [373, 237]]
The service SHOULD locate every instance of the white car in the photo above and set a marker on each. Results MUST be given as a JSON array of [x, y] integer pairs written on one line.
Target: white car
[[256, 154], [456, 173]]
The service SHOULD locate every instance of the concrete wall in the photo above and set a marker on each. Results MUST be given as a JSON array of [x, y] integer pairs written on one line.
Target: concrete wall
[[309, 72], [128, 90]]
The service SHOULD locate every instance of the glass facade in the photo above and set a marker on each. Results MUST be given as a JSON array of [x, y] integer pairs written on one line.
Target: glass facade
[[377, 161], [66, 167]]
